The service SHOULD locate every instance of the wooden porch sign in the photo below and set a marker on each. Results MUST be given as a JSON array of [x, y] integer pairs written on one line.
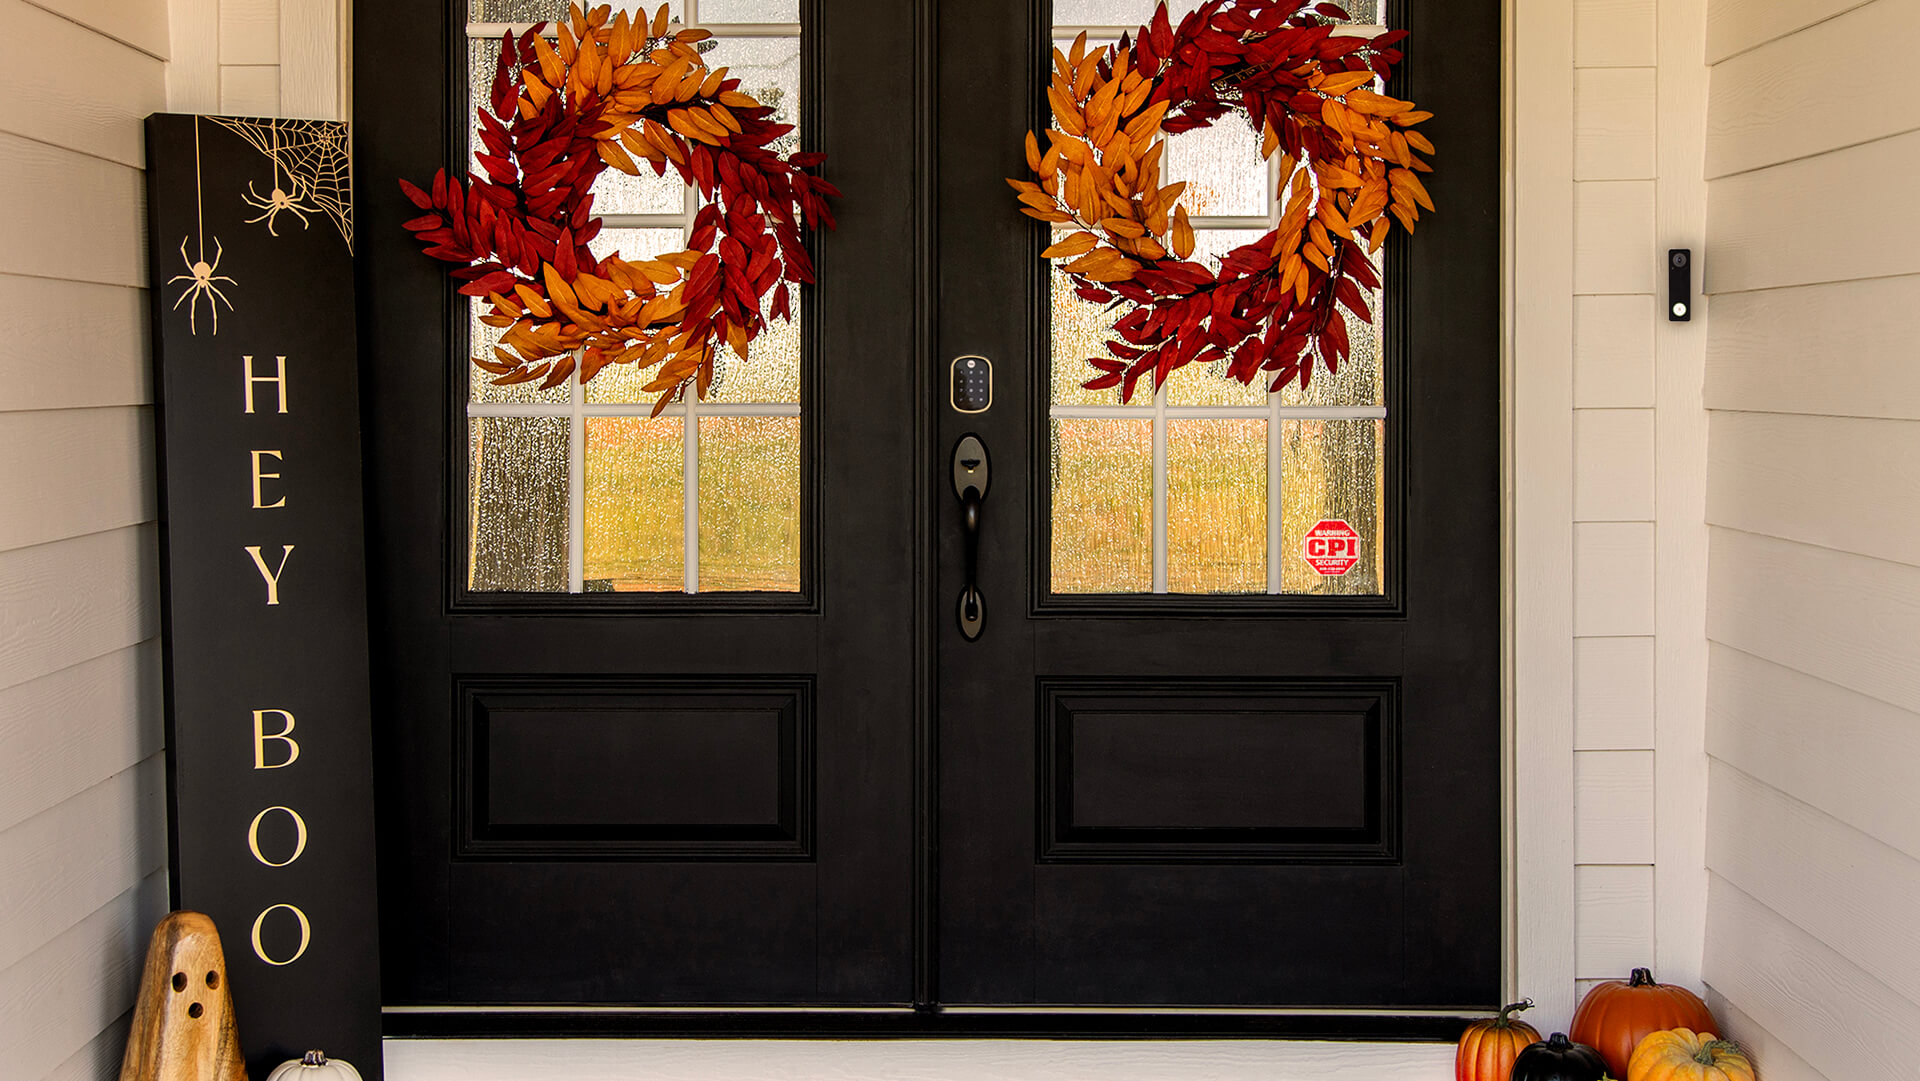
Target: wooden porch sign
[[263, 570]]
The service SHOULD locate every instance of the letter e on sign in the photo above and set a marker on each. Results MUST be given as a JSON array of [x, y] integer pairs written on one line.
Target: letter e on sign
[[1331, 547]]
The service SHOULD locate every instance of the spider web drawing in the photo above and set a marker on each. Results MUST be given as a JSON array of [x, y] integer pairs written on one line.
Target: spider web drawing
[[314, 152]]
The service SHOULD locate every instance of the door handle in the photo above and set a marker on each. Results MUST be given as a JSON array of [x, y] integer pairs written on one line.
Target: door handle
[[970, 479]]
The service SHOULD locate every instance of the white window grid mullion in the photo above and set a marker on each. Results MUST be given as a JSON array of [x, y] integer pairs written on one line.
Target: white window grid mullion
[[492, 31], [690, 427], [1276, 476], [576, 486], [1160, 492], [630, 409], [1112, 33]]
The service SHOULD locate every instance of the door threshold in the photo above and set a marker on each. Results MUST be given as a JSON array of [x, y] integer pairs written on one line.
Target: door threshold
[[920, 1059]]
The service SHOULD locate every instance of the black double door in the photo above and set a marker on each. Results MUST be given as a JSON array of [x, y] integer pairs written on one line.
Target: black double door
[[605, 805]]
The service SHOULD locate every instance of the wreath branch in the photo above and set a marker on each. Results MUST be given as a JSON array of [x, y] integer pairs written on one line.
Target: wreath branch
[[1349, 164], [616, 91]]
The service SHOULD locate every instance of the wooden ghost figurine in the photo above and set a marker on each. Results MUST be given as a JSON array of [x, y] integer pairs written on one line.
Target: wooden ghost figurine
[[183, 1026]]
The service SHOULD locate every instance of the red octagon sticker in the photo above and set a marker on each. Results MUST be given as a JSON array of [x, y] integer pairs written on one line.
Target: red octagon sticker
[[1331, 547]]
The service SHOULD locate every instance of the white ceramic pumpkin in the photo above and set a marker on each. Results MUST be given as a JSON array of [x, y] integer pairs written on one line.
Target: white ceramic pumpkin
[[314, 1066]]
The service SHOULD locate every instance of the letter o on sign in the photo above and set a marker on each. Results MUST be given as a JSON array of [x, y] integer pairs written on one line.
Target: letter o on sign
[[299, 836], [306, 934]]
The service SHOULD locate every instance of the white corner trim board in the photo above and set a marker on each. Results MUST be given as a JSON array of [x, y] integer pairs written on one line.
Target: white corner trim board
[[911, 1060]]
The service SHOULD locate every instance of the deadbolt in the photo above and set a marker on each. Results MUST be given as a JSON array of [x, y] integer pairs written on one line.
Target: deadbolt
[[971, 381]]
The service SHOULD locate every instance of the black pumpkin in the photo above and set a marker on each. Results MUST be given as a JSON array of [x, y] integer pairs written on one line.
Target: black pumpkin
[[1559, 1059]]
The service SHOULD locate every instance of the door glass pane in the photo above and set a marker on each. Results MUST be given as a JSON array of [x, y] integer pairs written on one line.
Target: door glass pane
[[519, 504], [1102, 506], [635, 518], [1225, 481], [749, 518], [1335, 472], [626, 498], [1216, 506]]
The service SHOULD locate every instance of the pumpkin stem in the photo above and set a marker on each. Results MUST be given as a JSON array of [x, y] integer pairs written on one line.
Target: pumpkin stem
[[1642, 977], [314, 1058], [1504, 1021], [1711, 1050]]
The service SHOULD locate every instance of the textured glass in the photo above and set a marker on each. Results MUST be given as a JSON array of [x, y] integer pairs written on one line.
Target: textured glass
[[517, 504], [1359, 380], [527, 11], [1080, 330], [768, 69], [749, 504], [1209, 384], [634, 508], [624, 384], [749, 11], [771, 372], [1222, 167], [617, 193], [1217, 506], [1114, 12], [1332, 469], [481, 340], [1102, 474]]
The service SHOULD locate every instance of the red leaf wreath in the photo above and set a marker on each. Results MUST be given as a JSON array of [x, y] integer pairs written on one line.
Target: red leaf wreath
[[1350, 159], [615, 91]]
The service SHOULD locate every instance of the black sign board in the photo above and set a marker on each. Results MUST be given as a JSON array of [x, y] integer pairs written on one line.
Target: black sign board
[[264, 579]]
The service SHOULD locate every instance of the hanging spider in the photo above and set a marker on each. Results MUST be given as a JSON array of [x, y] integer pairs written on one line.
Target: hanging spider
[[276, 202], [201, 277]]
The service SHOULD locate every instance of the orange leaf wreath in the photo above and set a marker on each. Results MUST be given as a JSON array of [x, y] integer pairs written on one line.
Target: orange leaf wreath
[[1349, 162], [617, 91]]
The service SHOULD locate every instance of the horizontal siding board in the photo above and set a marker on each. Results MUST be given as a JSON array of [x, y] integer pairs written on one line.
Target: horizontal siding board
[[67, 731], [1832, 881], [1613, 465], [76, 599], [1819, 480], [1613, 33], [72, 344], [1613, 352], [1613, 806], [1613, 920], [1841, 349], [1802, 222], [59, 998], [1844, 1022], [70, 215], [1810, 93], [1844, 618], [76, 88], [75, 857], [1855, 757], [74, 471], [1613, 124], [1613, 237], [100, 1059], [139, 23], [1613, 694], [1735, 26], [1612, 579], [1772, 1059], [193, 76]]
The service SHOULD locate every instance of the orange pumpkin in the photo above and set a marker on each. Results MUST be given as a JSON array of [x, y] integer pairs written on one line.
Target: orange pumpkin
[[1488, 1048], [1681, 1054], [1617, 1014]]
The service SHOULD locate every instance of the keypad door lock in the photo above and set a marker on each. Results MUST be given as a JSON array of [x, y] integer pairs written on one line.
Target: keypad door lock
[[971, 380]]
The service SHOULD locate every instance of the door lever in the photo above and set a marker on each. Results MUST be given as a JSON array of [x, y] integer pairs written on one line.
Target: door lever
[[970, 479]]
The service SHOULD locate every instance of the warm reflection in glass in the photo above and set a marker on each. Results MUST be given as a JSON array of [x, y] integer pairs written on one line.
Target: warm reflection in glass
[[518, 504], [749, 504], [635, 517], [1217, 506], [1332, 469], [1102, 506]]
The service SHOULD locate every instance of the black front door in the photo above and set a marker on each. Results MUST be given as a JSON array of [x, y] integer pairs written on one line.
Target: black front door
[[681, 712]]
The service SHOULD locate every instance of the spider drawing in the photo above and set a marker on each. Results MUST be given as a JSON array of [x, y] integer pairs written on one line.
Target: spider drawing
[[201, 277], [273, 204]]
